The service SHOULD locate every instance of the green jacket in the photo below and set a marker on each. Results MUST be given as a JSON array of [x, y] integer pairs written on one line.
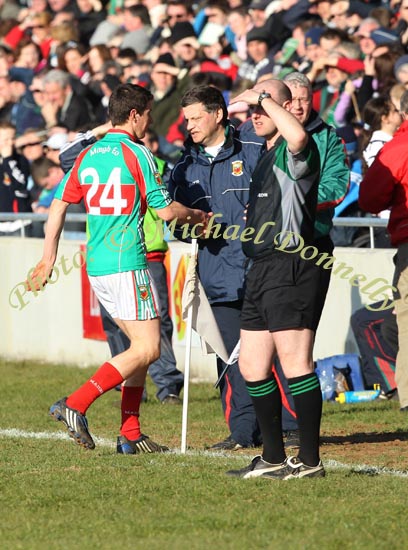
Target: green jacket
[[334, 172]]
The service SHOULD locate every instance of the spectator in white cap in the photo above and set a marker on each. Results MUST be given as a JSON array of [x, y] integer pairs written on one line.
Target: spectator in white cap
[[54, 144], [214, 46]]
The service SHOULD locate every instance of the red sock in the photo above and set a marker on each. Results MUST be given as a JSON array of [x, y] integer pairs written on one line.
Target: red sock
[[131, 398], [104, 379]]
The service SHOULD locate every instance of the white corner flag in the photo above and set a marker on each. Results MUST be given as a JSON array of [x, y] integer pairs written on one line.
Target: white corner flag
[[203, 321]]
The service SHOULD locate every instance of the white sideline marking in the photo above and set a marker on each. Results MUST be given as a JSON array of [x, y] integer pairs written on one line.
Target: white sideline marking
[[365, 469], [14, 433], [102, 442]]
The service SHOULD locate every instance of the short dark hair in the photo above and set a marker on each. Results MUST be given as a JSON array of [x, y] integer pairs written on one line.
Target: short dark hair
[[124, 99], [139, 10], [39, 168], [210, 97]]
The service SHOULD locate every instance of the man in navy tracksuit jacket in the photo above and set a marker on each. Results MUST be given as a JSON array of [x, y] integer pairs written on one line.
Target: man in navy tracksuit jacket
[[214, 174]]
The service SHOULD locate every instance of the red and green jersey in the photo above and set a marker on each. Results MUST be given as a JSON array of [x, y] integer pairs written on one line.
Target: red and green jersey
[[117, 178]]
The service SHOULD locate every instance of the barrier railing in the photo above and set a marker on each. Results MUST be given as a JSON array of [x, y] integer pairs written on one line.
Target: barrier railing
[[370, 222]]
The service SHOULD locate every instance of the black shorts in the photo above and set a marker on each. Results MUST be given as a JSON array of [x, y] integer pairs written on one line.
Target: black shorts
[[281, 293]]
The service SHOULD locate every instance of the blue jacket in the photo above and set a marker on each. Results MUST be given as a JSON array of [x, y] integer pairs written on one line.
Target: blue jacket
[[220, 185]]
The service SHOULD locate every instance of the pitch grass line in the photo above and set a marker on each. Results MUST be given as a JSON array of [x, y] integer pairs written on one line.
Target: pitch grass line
[[331, 464]]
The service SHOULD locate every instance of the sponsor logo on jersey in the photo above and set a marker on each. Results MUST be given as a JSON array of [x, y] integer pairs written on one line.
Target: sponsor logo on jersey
[[262, 195], [237, 168], [158, 178], [143, 291], [100, 150]]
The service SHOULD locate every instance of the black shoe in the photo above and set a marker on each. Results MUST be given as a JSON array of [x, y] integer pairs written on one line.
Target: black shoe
[[171, 399], [228, 444], [293, 468], [292, 439], [257, 468], [392, 394], [75, 422], [142, 445]]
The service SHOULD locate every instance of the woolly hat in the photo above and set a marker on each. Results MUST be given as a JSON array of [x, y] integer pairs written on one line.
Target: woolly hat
[[258, 33], [259, 4], [166, 64], [183, 33]]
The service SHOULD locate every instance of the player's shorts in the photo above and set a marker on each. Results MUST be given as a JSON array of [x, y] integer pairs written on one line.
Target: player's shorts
[[129, 296], [281, 293]]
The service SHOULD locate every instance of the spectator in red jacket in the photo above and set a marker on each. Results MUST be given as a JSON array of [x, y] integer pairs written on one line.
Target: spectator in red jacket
[[385, 185]]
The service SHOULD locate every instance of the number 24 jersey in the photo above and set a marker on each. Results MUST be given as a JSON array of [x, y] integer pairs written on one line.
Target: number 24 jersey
[[117, 178]]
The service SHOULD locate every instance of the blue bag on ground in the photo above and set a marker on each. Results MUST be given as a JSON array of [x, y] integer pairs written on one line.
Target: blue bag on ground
[[348, 365]]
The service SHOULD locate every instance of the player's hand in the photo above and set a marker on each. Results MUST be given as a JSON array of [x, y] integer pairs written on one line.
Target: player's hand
[[207, 231], [200, 219], [39, 276], [250, 97]]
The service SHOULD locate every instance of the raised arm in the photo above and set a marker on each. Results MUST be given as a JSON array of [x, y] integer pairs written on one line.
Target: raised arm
[[276, 108]]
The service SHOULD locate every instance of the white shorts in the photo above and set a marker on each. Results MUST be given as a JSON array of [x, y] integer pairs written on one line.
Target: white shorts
[[129, 296]]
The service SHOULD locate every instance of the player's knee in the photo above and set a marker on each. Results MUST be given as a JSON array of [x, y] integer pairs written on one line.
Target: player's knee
[[153, 353], [155, 356], [245, 367]]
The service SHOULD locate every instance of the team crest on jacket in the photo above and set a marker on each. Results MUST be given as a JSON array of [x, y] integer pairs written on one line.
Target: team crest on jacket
[[144, 293], [158, 178], [237, 168]]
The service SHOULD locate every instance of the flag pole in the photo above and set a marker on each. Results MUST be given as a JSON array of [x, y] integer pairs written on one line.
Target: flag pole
[[189, 330]]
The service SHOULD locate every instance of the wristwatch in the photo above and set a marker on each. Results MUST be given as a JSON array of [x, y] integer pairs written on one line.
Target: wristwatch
[[263, 96]]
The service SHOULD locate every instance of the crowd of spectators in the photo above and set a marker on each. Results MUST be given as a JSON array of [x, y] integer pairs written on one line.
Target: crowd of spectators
[[61, 59]]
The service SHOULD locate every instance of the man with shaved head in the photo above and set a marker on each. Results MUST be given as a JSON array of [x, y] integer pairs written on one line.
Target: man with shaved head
[[278, 315]]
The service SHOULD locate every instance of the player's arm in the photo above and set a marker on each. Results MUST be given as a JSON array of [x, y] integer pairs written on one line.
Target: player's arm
[[55, 223], [177, 211], [286, 123]]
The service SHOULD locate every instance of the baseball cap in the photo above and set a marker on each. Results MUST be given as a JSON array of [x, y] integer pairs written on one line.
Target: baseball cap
[[56, 141], [383, 36]]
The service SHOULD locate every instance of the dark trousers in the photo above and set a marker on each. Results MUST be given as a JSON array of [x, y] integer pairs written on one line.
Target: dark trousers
[[164, 373], [237, 405]]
